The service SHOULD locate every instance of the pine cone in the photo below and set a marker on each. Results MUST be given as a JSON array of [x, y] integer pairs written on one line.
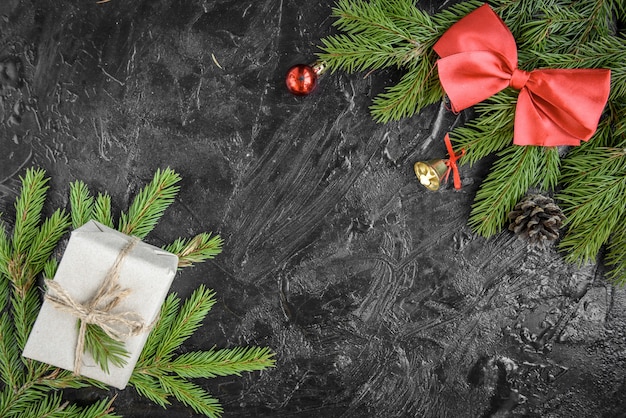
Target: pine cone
[[536, 218]]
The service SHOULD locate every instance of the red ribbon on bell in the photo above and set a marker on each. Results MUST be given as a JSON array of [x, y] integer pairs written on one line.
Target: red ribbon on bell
[[555, 106], [451, 163], [433, 173]]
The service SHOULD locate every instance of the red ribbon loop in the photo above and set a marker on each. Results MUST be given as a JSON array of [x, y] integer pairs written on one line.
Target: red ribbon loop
[[451, 163], [555, 106]]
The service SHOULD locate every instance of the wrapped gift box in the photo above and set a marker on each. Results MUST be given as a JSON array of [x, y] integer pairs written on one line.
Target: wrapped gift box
[[147, 271]]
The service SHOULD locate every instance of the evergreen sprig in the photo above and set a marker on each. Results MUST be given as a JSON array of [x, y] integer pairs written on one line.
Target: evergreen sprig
[[28, 207], [380, 34], [224, 362], [511, 176], [32, 389], [616, 253], [200, 248], [391, 34], [595, 201], [103, 348], [160, 374], [150, 204], [81, 203], [185, 323], [385, 33], [491, 131], [85, 208]]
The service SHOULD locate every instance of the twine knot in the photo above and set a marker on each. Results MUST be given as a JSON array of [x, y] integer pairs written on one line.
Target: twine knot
[[97, 311]]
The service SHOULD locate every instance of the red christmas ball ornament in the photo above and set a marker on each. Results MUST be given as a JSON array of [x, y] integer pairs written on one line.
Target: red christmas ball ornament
[[301, 79]]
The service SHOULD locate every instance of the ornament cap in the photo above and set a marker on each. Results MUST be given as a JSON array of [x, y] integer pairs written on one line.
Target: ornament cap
[[319, 67]]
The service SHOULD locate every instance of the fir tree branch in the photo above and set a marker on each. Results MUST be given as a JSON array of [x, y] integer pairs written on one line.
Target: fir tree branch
[[616, 129], [395, 29], [102, 210], [616, 253], [25, 307], [491, 131], [196, 250], [85, 208], [445, 18], [81, 204], [48, 406], [159, 375], [187, 321], [591, 161], [55, 378], [594, 198], [619, 8], [103, 348], [11, 368], [150, 204], [560, 28], [50, 268], [167, 315], [355, 52], [549, 168], [6, 400], [5, 291], [45, 241], [224, 362], [35, 370], [15, 404], [5, 253], [100, 409], [516, 14], [28, 207], [582, 243], [32, 244], [509, 179], [192, 395], [604, 137], [383, 20], [148, 386], [391, 33], [416, 89]]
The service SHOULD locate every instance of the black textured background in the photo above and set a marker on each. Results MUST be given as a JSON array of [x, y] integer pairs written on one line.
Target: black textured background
[[376, 297]]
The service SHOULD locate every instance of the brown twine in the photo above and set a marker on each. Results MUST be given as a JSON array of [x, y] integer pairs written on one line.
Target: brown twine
[[97, 311]]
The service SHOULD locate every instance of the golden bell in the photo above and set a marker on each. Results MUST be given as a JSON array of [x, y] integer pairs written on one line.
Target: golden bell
[[430, 173]]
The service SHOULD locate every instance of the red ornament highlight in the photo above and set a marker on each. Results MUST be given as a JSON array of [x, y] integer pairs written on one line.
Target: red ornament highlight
[[301, 79]]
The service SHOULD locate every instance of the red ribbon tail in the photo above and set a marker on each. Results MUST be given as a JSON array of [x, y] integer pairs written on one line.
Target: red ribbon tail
[[451, 163]]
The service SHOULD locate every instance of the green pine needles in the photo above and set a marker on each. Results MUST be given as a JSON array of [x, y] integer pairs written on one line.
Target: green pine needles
[[589, 182], [594, 198], [32, 389], [391, 34]]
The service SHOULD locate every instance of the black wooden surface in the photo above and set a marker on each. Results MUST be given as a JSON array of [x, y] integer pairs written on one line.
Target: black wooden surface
[[376, 297]]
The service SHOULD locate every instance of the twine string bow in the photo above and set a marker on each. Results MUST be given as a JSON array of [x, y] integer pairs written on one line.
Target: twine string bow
[[478, 58], [97, 311]]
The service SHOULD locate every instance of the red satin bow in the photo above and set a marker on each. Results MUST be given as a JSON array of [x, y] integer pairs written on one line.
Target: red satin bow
[[554, 107], [451, 163]]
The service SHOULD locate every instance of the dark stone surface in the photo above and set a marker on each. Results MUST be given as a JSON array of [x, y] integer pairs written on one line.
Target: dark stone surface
[[376, 297]]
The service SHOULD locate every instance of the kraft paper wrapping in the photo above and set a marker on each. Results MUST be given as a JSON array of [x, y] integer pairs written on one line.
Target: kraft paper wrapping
[[147, 271]]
